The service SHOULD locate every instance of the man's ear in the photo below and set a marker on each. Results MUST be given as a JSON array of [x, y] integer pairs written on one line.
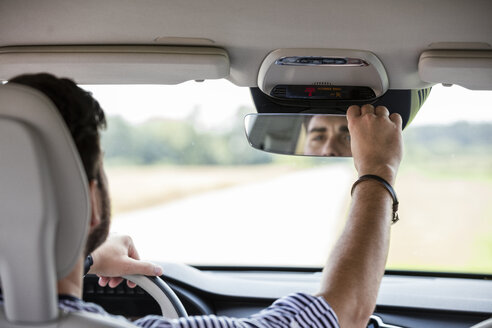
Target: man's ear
[[95, 210]]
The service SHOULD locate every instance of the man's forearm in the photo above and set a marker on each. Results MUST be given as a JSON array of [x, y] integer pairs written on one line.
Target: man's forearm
[[355, 268]]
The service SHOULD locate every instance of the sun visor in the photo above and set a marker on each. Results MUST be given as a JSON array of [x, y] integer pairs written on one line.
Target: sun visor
[[117, 64], [328, 75], [471, 69]]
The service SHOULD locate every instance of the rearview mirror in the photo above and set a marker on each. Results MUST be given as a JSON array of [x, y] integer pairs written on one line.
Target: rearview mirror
[[299, 134]]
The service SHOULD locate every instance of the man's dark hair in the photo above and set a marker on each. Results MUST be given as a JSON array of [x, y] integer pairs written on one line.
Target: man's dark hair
[[84, 119], [80, 111]]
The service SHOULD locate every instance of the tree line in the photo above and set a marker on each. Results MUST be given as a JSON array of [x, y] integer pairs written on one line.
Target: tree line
[[164, 141], [440, 141]]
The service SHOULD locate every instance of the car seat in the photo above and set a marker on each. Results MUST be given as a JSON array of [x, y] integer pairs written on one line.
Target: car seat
[[45, 212]]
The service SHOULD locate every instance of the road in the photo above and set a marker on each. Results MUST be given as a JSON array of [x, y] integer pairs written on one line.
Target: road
[[288, 220]]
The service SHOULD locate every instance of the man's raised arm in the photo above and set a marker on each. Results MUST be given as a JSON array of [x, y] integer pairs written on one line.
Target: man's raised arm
[[355, 268]]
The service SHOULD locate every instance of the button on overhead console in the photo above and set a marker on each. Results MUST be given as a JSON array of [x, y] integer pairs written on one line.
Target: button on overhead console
[[328, 61], [320, 61]]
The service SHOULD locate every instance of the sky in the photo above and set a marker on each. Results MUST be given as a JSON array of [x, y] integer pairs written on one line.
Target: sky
[[217, 101], [450, 104]]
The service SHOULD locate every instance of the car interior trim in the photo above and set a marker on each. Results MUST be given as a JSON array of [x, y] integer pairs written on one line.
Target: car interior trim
[[103, 64], [471, 69], [432, 293]]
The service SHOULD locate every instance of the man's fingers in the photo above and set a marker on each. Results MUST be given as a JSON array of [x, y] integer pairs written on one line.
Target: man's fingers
[[132, 252], [145, 268], [131, 284], [381, 111], [396, 118], [367, 109], [103, 281], [114, 282], [353, 111]]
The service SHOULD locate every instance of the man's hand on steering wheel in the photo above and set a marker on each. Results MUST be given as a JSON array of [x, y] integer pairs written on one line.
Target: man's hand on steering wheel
[[117, 257]]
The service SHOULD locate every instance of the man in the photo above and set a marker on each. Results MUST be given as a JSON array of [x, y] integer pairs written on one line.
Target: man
[[327, 136], [353, 273]]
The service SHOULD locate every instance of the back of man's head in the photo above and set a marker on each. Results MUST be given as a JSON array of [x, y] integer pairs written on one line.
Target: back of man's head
[[80, 111], [84, 119]]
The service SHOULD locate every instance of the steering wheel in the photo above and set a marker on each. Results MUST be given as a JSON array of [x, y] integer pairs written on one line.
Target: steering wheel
[[171, 306]]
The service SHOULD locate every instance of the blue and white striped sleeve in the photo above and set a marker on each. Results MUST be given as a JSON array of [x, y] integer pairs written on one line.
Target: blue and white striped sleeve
[[293, 311]]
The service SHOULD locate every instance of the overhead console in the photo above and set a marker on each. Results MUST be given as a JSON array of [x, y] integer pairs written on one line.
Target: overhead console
[[323, 75], [327, 81]]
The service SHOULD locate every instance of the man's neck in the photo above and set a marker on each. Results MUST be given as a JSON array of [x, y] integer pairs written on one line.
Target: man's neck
[[72, 284]]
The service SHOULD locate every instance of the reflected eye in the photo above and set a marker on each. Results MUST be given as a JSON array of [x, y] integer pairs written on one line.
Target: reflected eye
[[317, 138], [345, 138]]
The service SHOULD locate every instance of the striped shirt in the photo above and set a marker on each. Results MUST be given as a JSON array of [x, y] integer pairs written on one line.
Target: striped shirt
[[294, 311]]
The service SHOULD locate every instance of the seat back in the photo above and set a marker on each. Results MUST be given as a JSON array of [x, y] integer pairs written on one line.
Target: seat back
[[44, 204]]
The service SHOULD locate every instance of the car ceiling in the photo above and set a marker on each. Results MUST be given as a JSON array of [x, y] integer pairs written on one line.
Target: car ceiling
[[396, 31]]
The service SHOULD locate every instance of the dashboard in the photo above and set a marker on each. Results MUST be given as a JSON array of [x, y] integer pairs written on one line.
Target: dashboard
[[403, 300]]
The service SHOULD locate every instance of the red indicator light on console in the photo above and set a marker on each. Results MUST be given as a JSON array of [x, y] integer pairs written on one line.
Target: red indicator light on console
[[310, 91]]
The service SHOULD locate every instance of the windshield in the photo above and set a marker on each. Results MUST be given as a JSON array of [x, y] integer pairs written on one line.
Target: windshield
[[188, 188]]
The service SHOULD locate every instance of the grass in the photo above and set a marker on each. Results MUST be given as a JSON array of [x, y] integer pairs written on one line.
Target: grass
[[465, 167], [445, 207], [446, 222], [138, 187]]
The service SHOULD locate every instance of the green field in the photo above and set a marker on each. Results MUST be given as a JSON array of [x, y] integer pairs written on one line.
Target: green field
[[446, 219], [446, 222]]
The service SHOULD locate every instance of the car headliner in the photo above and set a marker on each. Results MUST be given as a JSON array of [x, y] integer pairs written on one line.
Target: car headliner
[[396, 31]]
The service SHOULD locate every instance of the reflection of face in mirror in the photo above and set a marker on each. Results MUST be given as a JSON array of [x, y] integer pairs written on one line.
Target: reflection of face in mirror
[[327, 136]]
